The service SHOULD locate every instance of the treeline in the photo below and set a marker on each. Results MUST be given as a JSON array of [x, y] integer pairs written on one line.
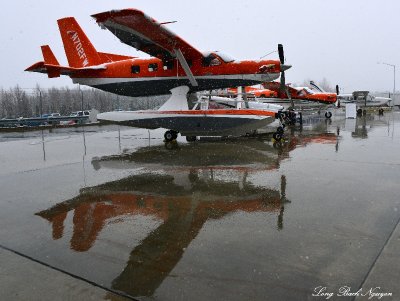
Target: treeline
[[20, 102]]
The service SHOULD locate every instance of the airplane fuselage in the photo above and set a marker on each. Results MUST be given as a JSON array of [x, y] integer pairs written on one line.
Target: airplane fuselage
[[152, 76]]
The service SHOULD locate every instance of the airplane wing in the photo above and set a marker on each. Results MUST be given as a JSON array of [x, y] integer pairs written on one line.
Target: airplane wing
[[142, 32]]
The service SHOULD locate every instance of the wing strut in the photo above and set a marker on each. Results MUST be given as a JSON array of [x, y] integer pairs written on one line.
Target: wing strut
[[185, 66]]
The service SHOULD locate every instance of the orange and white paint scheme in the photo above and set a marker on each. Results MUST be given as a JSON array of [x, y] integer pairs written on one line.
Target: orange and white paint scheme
[[255, 92], [173, 62], [301, 93]]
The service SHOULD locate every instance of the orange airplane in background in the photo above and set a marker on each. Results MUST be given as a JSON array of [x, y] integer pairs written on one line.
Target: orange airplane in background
[[174, 62], [301, 93], [254, 92]]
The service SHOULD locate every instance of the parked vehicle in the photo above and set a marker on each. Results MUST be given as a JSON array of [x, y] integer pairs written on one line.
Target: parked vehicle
[[80, 113]]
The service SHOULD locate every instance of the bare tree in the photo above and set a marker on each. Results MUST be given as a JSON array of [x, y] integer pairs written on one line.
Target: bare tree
[[325, 85], [18, 102]]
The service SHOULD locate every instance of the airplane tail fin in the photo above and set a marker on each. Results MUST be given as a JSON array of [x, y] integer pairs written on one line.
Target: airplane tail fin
[[52, 67], [79, 50], [48, 55], [81, 54], [50, 60]]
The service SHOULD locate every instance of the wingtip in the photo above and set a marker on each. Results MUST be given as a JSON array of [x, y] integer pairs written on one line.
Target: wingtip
[[103, 16]]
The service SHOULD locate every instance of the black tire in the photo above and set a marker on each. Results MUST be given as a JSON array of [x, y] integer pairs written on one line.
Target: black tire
[[280, 129], [277, 136], [328, 115], [191, 138], [175, 134], [169, 136]]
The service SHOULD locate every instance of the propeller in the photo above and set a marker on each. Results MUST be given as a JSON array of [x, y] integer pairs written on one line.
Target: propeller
[[337, 93], [281, 53], [283, 88]]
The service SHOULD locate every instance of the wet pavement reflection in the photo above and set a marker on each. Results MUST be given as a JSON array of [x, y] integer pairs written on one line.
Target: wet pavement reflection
[[229, 220], [182, 189], [181, 211]]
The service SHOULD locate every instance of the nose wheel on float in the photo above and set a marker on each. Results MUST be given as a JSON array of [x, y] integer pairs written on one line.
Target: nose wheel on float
[[289, 117], [170, 135]]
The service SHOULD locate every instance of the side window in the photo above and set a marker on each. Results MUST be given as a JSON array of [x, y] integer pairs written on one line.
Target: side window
[[153, 67], [135, 69], [168, 65], [190, 63]]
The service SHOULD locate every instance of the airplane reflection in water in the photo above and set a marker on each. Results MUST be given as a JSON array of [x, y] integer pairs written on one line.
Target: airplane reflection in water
[[253, 154], [365, 123], [183, 194], [182, 214], [358, 127]]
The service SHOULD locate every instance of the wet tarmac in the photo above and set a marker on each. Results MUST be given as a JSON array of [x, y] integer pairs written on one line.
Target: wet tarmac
[[242, 219]]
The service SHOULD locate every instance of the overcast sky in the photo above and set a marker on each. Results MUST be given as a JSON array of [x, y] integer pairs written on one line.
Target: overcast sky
[[340, 40]]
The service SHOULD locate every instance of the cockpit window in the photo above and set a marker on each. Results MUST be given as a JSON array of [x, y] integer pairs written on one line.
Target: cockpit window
[[208, 58], [225, 57], [309, 91], [215, 62], [215, 58]]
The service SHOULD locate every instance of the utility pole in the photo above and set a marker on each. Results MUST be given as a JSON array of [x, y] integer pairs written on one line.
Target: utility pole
[[81, 97], [394, 80], [40, 103]]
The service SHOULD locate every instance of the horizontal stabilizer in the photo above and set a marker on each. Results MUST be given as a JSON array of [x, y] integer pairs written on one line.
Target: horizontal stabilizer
[[57, 70], [50, 69]]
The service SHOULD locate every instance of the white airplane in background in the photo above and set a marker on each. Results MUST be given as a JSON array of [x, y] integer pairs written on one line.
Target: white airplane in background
[[364, 99], [239, 102]]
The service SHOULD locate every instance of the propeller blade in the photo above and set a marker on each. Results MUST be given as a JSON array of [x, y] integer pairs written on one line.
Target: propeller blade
[[290, 97], [337, 89], [283, 82], [283, 88], [288, 93], [281, 53]]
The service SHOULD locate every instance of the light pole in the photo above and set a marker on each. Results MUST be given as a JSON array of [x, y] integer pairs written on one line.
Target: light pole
[[40, 103], [79, 87], [394, 79]]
